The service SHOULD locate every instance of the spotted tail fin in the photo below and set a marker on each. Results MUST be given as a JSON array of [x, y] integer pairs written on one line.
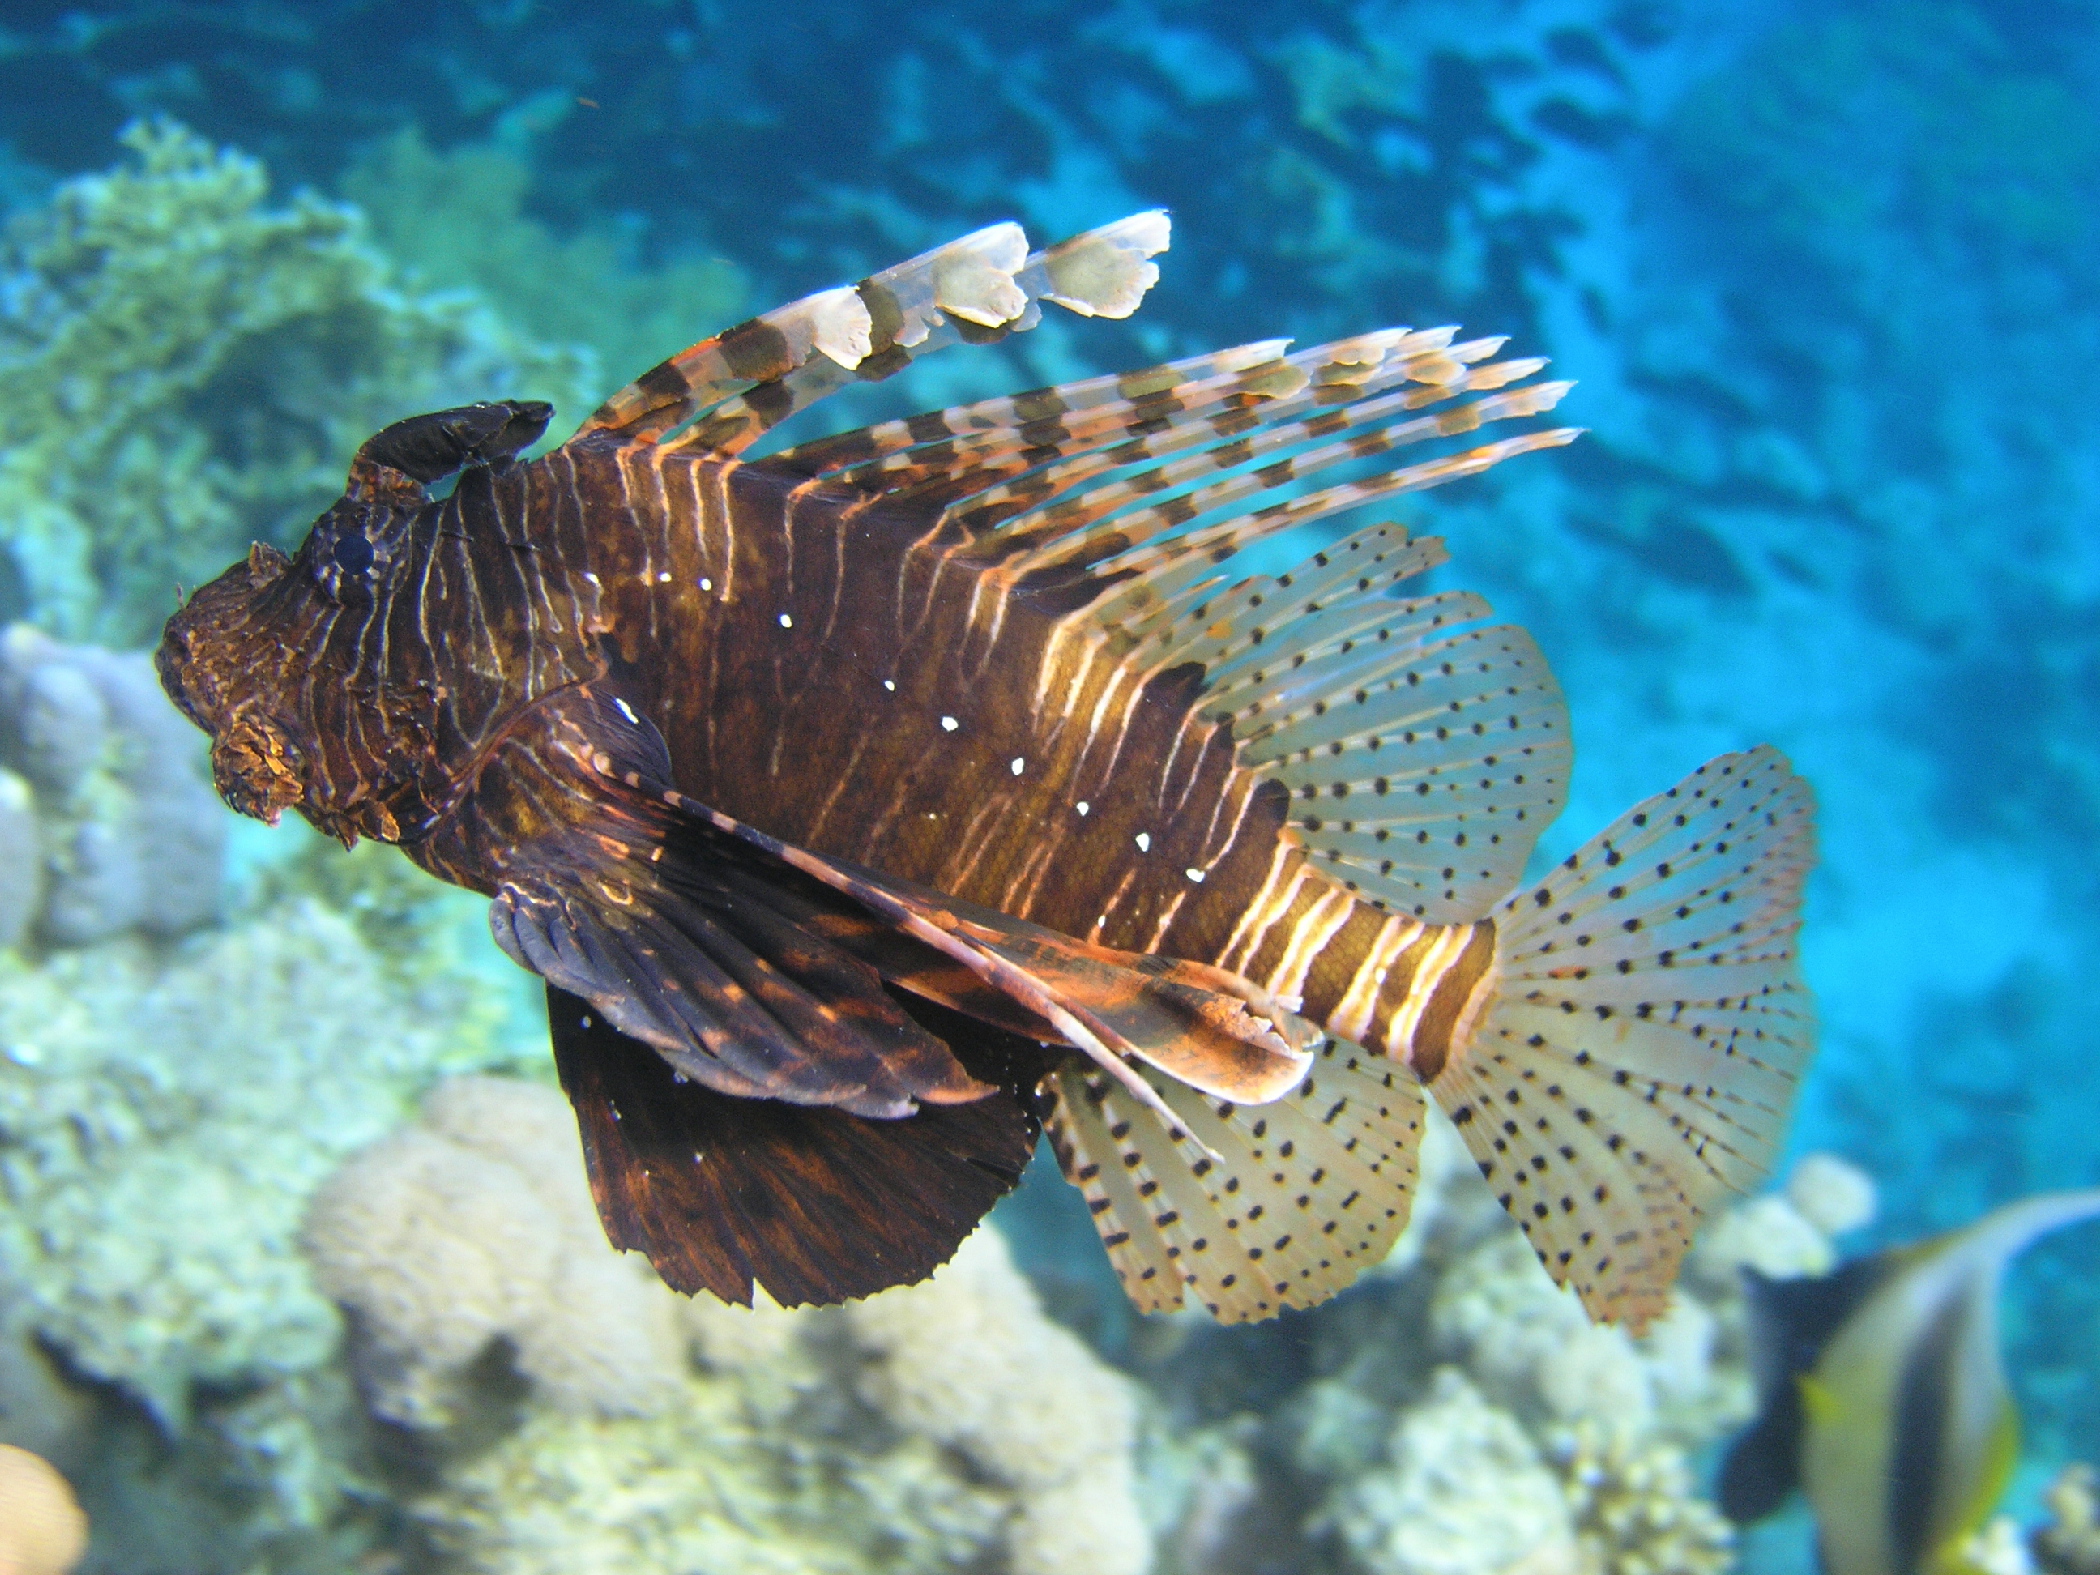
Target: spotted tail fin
[[986, 284], [1649, 1024]]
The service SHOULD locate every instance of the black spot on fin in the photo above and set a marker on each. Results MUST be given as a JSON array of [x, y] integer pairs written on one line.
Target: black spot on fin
[[1791, 1322], [811, 1203]]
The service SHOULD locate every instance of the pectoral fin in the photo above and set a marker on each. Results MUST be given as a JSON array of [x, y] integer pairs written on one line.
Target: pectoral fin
[[677, 945], [758, 968], [1211, 1029]]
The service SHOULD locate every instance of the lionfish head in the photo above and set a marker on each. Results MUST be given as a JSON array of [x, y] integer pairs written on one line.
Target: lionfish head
[[240, 656]]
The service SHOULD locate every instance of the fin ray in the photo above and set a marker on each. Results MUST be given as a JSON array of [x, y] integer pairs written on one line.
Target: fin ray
[[811, 1202], [1305, 1193], [1654, 1080], [744, 382]]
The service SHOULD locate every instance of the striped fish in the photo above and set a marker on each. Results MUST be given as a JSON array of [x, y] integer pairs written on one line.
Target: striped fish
[[869, 806], [1884, 1396]]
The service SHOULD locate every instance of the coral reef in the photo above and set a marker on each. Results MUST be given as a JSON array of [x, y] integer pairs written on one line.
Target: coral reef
[[1635, 1508], [115, 817], [187, 367], [1459, 1414], [1465, 1494], [457, 219], [1530, 1348], [207, 1093], [475, 1224], [165, 1109], [808, 1440], [42, 1530], [1832, 1194], [968, 1359], [2068, 1543]]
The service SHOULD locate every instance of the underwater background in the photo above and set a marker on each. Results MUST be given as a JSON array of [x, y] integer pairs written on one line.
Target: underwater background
[[1828, 277]]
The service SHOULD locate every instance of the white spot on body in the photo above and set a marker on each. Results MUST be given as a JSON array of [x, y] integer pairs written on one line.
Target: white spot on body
[[1084, 806], [1144, 842], [1019, 764], [786, 622], [592, 577], [664, 578], [1194, 875], [627, 711], [949, 724], [706, 584], [890, 684]]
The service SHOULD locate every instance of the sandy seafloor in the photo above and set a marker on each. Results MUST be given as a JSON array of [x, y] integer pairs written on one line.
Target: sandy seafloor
[[1827, 276]]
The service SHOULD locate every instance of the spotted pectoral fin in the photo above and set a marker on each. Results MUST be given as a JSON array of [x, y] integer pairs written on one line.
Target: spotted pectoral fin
[[812, 1203]]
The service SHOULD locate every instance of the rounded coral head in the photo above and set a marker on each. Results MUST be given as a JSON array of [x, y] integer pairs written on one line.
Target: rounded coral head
[[43, 1530]]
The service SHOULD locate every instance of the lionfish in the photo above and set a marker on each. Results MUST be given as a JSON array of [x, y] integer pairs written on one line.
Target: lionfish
[[872, 806]]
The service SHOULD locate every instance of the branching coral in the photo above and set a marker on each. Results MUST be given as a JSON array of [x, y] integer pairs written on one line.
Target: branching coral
[[1634, 1506], [187, 368], [2069, 1543]]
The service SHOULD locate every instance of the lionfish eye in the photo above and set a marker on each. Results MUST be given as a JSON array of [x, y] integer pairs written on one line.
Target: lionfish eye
[[352, 553]]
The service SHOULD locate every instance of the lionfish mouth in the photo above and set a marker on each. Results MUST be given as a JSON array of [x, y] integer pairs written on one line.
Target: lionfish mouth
[[204, 663]]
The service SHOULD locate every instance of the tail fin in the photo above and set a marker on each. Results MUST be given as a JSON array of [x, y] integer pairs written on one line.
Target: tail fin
[[1639, 1057]]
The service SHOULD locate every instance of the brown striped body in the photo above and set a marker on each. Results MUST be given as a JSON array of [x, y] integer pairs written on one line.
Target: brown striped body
[[824, 668]]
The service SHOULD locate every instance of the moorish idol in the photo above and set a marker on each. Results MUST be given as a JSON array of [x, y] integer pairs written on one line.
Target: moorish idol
[[1884, 1397]]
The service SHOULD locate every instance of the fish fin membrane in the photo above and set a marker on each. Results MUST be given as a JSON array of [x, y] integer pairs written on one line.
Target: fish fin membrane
[[1212, 1030], [677, 944], [1649, 1027], [975, 290], [813, 1203], [1295, 1199], [1179, 466], [1423, 758], [759, 967]]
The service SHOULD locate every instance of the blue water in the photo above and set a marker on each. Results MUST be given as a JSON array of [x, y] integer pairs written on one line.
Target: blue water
[[1827, 275]]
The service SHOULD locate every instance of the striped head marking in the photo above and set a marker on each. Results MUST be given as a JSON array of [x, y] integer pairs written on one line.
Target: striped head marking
[[269, 658]]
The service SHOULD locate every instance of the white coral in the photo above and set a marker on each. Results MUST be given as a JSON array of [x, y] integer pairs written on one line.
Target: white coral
[[968, 1358], [477, 1224], [1466, 1494], [1832, 1194]]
